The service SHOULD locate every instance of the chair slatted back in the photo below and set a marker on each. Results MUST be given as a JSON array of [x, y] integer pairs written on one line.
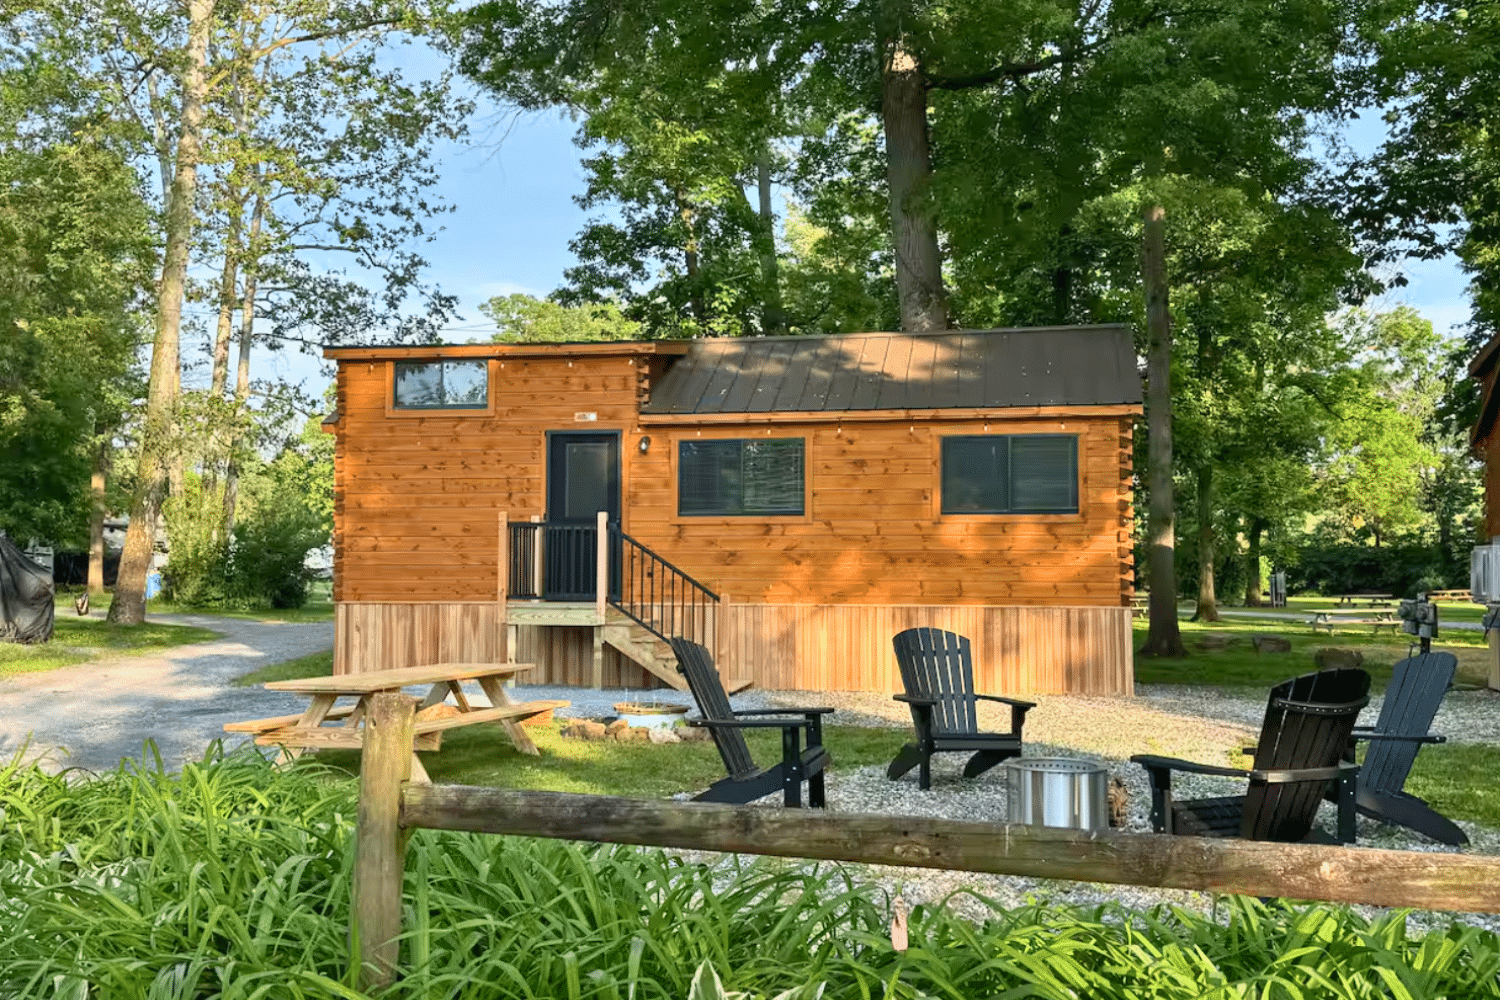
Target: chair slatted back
[[937, 664], [697, 665], [1412, 699], [1308, 723]]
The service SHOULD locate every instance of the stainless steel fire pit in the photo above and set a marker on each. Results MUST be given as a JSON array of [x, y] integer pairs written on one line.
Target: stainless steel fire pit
[[1055, 791]]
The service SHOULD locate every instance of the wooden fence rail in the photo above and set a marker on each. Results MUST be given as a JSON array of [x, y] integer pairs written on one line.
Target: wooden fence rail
[[1299, 871]]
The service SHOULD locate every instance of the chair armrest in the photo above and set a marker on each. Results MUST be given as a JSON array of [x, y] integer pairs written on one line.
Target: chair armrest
[[1408, 737], [1153, 762], [752, 723], [912, 699], [1279, 776], [784, 711], [1014, 702]]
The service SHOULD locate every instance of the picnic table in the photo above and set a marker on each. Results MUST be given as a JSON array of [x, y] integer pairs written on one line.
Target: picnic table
[[310, 731], [1375, 620], [1448, 595], [1369, 600]]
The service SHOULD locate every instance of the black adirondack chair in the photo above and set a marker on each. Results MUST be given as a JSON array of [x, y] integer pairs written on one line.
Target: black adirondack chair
[[1307, 726], [937, 671], [1412, 699], [746, 782]]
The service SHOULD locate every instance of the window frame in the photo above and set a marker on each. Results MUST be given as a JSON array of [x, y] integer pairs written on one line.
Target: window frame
[[739, 435], [1076, 512], [487, 408]]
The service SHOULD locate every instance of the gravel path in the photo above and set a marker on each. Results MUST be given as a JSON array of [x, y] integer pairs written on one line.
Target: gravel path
[[96, 714]]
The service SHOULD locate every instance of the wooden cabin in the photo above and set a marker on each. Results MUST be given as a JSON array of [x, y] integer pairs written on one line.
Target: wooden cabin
[[1484, 577], [792, 502]]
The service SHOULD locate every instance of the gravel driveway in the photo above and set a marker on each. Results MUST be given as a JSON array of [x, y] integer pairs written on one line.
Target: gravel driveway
[[96, 714]]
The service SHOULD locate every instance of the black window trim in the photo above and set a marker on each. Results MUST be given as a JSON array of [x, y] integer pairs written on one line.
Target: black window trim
[[396, 403], [1076, 486], [802, 499]]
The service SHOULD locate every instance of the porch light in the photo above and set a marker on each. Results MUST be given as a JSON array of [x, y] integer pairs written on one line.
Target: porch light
[[645, 443]]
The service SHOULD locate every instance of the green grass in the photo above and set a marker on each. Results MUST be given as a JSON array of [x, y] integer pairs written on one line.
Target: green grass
[[319, 606], [1458, 780], [312, 665], [1240, 666], [484, 755], [79, 640]]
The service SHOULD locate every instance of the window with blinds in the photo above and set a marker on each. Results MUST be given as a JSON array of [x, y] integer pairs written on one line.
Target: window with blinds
[[442, 385], [1011, 474], [740, 478]]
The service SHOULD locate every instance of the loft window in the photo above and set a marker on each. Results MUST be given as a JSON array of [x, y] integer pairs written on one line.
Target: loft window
[[740, 478], [1011, 474], [442, 385]]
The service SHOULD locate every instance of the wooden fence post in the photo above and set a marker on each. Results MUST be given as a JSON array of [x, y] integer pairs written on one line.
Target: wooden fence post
[[380, 843]]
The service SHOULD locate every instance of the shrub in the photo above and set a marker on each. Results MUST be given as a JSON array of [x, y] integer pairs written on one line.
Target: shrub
[[262, 567]]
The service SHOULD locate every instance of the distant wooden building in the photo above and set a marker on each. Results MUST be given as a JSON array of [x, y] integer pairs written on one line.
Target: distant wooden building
[[793, 502], [1484, 575]]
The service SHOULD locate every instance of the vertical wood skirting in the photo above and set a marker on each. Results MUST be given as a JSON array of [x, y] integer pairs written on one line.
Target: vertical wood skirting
[[502, 639], [1017, 650]]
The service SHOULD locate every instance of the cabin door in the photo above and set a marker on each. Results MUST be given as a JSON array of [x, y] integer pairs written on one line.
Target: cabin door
[[583, 478]]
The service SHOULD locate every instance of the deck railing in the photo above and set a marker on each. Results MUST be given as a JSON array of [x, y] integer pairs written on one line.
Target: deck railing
[[549, 561], [657, 595]]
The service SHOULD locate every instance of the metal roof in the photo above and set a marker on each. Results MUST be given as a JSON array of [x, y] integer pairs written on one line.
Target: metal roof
[[951, 369]]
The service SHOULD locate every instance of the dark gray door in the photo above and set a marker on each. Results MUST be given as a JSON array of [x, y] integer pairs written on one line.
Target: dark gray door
[[583, 478]]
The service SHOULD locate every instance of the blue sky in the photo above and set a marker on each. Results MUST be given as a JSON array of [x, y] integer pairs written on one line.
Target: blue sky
[[513, 191]]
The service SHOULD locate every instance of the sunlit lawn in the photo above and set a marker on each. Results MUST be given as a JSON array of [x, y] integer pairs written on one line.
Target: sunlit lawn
[[319, 607], [1241, 666], [78, 640]]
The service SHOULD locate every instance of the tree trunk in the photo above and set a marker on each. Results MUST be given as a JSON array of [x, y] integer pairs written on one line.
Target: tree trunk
[[919, 262], [1253, 597], [157, 447], [96, 515], [1164, 637], [1208, 607], [773, 315], [242, 379]]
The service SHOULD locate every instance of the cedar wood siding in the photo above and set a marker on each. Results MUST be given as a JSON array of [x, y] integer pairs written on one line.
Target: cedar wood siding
[[813, 600], [418, 495]]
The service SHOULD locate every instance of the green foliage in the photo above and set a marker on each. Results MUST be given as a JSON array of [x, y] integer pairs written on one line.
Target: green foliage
[[284, 514], [233, 880], [74, 257], [1331, 567], [527, 319]]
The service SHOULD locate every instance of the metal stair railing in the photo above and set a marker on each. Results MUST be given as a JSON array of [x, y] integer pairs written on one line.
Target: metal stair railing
[[658, 596], [559, 562]]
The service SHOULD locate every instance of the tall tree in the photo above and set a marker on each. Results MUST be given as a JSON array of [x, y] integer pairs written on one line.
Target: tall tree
[[157, 439]]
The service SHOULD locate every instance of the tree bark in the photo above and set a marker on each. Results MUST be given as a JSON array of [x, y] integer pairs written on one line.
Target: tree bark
[[96, 515], [157, 447], [1208, 607], [1164, 637], [1253, 597], [773, 315], [919, 261], [242, 378]]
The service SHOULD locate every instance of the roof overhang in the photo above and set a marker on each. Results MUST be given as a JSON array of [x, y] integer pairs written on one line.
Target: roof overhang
[[425, 352]]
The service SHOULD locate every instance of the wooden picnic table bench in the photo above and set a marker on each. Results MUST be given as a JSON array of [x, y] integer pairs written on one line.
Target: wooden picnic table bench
[[1369, 600], [1331, 618], [1448, 595], [308, 731]]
